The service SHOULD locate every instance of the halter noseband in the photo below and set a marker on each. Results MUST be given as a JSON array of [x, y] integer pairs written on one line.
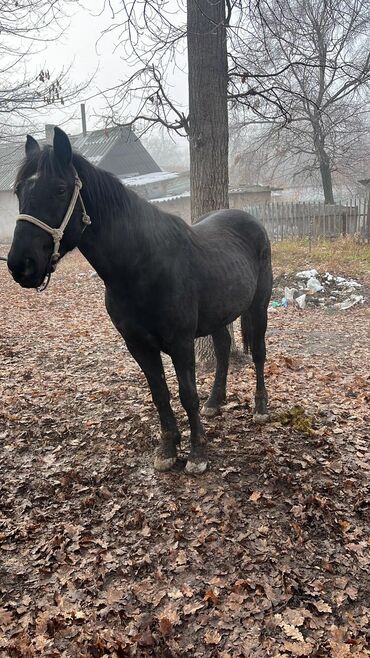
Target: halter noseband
[[57, 233]]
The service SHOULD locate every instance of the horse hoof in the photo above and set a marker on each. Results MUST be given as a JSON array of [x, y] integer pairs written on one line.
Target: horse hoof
[[195, 468], [162, 464], [210, 412], [261, 419]]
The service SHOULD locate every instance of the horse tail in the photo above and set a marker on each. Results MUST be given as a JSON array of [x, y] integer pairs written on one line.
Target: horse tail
[[245, 329], [261, 297]]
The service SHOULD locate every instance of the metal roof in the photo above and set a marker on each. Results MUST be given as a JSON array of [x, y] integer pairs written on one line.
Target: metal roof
[[94, 146], [117, 150], [148, 179], [11, 155]]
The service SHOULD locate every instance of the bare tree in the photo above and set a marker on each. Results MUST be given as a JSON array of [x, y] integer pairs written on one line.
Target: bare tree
[[26, 26], [170, 150], [318, 56], [300, 70], [206, 121]]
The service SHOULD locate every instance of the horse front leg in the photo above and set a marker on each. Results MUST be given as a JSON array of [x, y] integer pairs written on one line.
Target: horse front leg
[[151, 364], [183, 359]]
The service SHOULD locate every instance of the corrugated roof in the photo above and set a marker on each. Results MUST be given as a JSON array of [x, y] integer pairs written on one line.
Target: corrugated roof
[[148, 179], [95, 145], [117, 150], [11, 155]]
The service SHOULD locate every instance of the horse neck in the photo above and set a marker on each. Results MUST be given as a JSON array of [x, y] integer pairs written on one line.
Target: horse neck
[[119, 240]]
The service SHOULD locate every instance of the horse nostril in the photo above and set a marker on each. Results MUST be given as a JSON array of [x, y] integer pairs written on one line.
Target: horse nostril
[[29, 267], [23, 268]]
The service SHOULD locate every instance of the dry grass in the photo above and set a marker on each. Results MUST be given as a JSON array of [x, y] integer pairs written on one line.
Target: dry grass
[[341, 256]]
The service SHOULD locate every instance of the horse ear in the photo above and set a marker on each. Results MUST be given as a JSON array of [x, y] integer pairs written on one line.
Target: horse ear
[[62, 148], [32, 148]]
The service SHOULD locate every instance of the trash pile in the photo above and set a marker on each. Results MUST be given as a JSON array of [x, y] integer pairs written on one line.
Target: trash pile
[[311, 289]]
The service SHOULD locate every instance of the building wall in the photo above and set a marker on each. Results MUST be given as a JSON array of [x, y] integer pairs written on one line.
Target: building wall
[[8, 213], [181, 205], [242, 199], [178, 206]]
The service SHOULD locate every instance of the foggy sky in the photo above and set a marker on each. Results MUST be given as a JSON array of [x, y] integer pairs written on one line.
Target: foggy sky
[[79, 46]]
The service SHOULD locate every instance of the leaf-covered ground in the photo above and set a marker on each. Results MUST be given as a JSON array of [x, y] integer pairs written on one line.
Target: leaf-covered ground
[[267, 554]]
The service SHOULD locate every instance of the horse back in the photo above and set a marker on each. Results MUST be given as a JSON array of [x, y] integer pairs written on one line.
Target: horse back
[[232, 223], [232, 265]]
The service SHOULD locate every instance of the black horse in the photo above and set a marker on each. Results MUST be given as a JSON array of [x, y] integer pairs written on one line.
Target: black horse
[[166, 282]]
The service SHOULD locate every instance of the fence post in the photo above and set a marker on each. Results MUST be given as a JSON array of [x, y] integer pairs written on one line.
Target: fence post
[[344, 224]]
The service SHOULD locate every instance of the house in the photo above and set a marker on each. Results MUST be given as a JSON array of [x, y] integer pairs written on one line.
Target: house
[[116, 150], [159, 184]]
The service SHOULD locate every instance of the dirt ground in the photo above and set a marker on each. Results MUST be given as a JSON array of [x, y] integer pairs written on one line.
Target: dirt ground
[[267, 554]]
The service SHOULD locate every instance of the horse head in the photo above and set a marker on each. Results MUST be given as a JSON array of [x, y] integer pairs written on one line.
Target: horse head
[[52, 215]]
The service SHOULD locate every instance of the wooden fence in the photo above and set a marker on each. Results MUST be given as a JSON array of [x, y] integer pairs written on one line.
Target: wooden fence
[[287, 220]]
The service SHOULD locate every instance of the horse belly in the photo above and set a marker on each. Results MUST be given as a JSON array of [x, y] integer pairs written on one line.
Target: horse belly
[[224, 304]]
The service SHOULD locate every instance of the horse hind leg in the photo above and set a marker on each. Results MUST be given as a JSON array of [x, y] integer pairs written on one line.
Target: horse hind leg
[[254, 321], [183, 359], [222, 344]]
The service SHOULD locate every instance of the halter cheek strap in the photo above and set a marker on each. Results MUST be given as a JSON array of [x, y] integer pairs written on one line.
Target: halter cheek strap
[[57, 233]]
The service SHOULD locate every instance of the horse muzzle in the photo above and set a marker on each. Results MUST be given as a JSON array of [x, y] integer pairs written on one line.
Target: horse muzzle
[[25, 272]]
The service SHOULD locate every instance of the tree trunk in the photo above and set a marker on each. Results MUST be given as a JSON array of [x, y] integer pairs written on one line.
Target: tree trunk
[[326, 179], [323, 160], [208, 116]]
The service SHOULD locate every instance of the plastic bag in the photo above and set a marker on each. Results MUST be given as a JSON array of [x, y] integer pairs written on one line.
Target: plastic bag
[[314, 285], [289, 294], [350, 301], [307, 274], [301, 301]]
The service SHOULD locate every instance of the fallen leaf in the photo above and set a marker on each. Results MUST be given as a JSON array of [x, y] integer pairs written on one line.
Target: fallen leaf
[[292, 631], [299, 648], [190, 608], [165, 626], [211, 597], [322, 606], [6, 617], [187, 590], [212, 637], [175, 594], [146, 639], [114, 595]]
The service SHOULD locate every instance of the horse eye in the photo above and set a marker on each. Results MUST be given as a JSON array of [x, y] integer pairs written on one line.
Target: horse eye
[[61, 191]]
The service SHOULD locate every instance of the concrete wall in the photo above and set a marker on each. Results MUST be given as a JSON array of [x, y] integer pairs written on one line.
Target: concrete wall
[[8, 213], [243, 199], [178, 206], [181, 205]]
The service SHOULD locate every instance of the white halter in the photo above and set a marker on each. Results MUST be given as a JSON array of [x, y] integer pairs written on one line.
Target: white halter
[[57, 233]]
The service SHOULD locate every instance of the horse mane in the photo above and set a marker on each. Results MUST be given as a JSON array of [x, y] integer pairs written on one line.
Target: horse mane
[[108, 196]]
